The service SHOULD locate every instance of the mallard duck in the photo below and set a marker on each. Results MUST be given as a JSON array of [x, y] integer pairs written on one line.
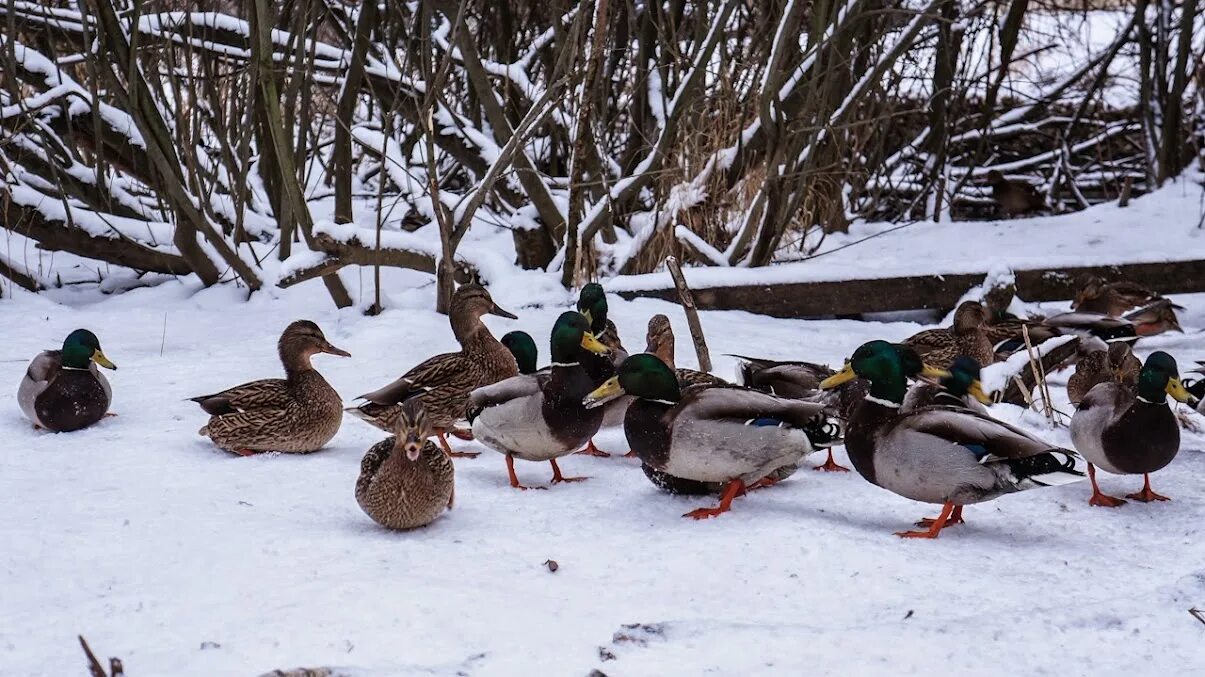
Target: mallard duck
[[960, 389], [444, 382], [1156, 317], [936, 454], [62, 389], [1097, 329], [521, 345], [297, 414], [1015, 198], [540, 417], [1111, 298], [968, 336], [1117, 363], [1197, 387], [406, 481], [592, 302], [712, 433], [1130, 430], [659, 341]]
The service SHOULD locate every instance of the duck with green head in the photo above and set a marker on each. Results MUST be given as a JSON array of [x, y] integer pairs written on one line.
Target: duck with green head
[[712, 434], [521, 345], [62, 389], [592, 303], [938, 454], [960, 388], [1127, 430], [540, 416]]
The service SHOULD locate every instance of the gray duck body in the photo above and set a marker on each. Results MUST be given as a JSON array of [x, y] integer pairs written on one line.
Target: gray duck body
[[1120, 433]]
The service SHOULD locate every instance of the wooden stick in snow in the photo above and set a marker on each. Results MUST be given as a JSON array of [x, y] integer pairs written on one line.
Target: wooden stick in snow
[[1126, 187], [692, 313]]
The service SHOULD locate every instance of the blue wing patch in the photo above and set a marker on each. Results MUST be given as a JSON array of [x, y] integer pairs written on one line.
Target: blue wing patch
[[765, 422], [979, 450]]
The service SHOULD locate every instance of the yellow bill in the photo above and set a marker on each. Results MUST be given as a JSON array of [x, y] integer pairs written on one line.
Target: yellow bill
[[1177, 390], [976, 391], [594, 345], [844, 376], [603, 393], [99, 358]]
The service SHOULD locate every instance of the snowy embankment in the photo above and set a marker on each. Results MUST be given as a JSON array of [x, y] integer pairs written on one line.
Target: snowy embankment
[[184, 560]]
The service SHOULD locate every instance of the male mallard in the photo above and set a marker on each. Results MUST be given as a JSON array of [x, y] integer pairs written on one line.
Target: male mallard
[[968, 336], [406, 481], [297, 414], [711, 433], [1117, 363], [659, 341], [1197, 387], [1127, 431], [960, 389], [445, 381], [540, 417], [521, 345], [939, 454], [592, 302], [62, 389]]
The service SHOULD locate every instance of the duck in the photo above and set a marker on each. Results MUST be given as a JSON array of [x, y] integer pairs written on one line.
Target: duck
[[1197, 387], [659, 341], [1156, 317], [540, 417], [938, 454], [592, 304], [298, 414], [406, 481], [1015, 198], [62, 390], [444, 381], [967, 336], [1096, 329], [523, 347], [1130, 430], [1116, 363], [960, 389], [717, 434], [1111, 298]]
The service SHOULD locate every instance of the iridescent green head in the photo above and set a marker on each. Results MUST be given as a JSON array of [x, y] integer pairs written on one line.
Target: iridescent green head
[[592, 303], [644, 376], [80, 348], [883, 365], [1159, 378], [521, 345], [571, 336]]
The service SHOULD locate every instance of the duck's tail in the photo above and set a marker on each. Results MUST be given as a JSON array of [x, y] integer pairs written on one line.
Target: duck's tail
[[1048, 469]]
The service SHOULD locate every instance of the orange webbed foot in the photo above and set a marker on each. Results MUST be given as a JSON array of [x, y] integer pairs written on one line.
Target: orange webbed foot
[[594, 451], [1105, 501], [631, 454], [935, 525], [557, 477], [735, 488], [831, 465]]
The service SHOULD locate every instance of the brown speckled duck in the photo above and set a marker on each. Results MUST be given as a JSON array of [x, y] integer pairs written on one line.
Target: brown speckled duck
[[406, 481], [1111, 298], [1117, 364], [297, 414], [660, 342], [444, 381], [968, 336]]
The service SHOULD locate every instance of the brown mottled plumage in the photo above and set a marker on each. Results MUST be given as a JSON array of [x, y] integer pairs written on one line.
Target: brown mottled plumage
[[443, 382], [1015, 198], [968, 336], [660, 342], [1111, 298], [298, 414], [1155, 317], [406, 481], [1117, 364]]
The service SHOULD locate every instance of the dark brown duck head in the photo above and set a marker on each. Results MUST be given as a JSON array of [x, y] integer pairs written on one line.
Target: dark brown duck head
[[997, 300], [970, 317], [1089, 295], [1124, 364], [302, 340], [660, 339], [412, 429], [469, 304]]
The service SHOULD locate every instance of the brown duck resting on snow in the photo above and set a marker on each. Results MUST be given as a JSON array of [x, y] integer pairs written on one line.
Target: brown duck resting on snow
[[1146, 309], [1015, 198], [1117, 364], [406, 481], [443, 382], [297, 414], [967, 336]]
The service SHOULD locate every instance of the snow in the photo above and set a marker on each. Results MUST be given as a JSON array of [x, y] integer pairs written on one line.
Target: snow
[[184, 560]]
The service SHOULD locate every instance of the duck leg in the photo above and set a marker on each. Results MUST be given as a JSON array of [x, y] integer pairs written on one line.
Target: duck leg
[[1099, 499], [443, 442], [592, 450], [630, 454], [452, 496], [514, 479], [1146, 495], [934, 528], [830, 465], [735, 488], [955, 518], [557, 477], [764, 482]]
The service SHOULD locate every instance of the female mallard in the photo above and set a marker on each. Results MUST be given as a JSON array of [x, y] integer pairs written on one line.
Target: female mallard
[[1127, 431], [297, 414], [406, 481], [540, 417], [968, 336], [1111, 298], [659, 341], [712, 433], [960, 389], [62, 389], [1117, 363], [444, 382], [938, 454]]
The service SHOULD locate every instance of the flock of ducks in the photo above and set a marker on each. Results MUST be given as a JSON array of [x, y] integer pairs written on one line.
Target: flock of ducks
[[910, 415]]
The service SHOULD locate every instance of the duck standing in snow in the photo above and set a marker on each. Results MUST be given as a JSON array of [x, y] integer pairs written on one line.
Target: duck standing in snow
[[540, 416], [444, 381], [592, 303], [62, 389], [1117, 363], [406, 481], [1129, 430], [712, 434], [945, 455], [297, 414]]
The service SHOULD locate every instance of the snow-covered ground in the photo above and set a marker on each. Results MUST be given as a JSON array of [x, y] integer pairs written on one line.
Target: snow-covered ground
[[184, 560]]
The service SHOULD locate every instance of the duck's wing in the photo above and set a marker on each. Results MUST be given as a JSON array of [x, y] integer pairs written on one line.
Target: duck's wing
[[741, 404], [433, 371], [508, 389], [989, 439], [693, 377], [371, 463], [43, 367], [269, 393], [785, 379], [930, 339]]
